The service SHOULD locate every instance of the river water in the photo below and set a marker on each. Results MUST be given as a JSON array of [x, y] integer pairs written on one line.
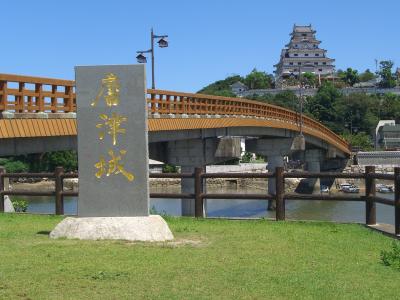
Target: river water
[[338, 211]]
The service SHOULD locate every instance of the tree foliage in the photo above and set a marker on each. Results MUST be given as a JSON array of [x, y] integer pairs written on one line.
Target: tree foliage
[[286, 99], [366, 76], [350, 76], [309, 80], [13, 165], [221, 87], [45, 162], [258, 80], [360, 140], [66, 159], [385, 71]]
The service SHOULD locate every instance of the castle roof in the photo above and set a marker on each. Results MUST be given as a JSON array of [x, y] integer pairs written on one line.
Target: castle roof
[[302, 29]]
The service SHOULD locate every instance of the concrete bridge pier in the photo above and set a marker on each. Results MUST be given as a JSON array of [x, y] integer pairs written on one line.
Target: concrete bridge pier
[[313, 159], [197, 153], [274, 150]]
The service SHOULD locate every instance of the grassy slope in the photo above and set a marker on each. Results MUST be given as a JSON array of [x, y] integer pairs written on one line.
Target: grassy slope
[[235, 259]]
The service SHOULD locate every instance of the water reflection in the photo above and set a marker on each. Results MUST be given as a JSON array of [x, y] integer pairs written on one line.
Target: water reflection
[[339, 211]]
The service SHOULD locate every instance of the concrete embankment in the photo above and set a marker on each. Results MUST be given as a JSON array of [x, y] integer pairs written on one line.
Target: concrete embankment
[[240, 183]]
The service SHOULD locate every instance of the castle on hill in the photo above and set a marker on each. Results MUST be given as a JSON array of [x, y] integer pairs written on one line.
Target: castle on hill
[[302, 54]]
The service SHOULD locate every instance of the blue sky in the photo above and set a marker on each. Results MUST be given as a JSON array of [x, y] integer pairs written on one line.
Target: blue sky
[[209, 40]]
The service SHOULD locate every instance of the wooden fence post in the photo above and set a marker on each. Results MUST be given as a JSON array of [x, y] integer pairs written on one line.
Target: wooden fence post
[[59, 171], [2, 188], [370, 205], [198, 191], [280, 190], [397, 200]]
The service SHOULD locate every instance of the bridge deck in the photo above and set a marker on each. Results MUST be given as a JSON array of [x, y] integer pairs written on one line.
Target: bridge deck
[[24, 128], [183, 111]]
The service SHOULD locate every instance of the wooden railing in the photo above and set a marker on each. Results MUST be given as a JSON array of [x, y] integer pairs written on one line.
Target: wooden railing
[[369, 198], [34, 94]]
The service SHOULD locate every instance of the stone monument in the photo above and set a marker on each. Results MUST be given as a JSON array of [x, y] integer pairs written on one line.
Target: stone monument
[[113, 158]]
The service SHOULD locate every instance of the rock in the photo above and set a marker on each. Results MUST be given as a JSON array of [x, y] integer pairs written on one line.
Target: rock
[[149, 229], [8, 206], [71, 183]]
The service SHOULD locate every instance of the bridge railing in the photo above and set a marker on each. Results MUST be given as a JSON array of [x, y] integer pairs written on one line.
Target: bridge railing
[[169, 102], [35, 94], [199, 193]]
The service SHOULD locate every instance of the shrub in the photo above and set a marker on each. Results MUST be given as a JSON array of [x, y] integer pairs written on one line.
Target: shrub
[[392, 257], [246, 157], [66, 159], [20, 205], [16, 166], [169, 169]]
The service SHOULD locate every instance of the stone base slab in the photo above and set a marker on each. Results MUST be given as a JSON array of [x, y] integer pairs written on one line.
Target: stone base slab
[[147, 229]]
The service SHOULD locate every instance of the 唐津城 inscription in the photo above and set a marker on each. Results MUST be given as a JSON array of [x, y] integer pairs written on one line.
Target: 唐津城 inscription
[[112, 141]]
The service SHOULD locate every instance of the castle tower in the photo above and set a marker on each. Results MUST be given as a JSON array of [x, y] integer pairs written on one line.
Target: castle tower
[[303, 54]]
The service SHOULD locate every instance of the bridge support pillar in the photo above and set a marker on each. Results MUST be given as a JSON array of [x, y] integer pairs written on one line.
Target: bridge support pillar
[[313, 159], [192, 153], [274, 150]]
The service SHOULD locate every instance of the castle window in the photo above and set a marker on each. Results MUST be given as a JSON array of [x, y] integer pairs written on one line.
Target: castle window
[[324, 63], [304, 34], [299, 63], [316, 63], [316, 54], [320, 70], [291, 64], [306, 54], [296, 54]]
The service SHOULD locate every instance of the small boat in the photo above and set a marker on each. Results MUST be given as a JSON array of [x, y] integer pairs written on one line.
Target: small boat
[[344, 186], [384, 189], [350, 188]]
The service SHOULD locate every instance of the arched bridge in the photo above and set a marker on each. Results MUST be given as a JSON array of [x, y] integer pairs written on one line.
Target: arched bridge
[[35, 107], [188, 130]]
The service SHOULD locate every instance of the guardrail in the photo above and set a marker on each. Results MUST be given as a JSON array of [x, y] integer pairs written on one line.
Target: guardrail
[[369, 198], [22, 94]]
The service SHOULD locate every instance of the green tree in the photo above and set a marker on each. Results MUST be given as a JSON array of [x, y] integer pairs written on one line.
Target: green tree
[[286, 99], [388, 107], [350, 76], [323, 106], [367, 76], [360, 140], [309, 79], [354, 113], [14, 166], [385, 71], [66, 159], [221, 87], [259, 80]]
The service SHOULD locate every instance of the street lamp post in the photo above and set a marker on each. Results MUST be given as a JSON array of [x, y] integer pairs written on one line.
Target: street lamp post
[[162, 43]]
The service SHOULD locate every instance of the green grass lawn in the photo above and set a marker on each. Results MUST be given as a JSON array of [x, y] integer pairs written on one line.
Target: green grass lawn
[[210, 259]]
